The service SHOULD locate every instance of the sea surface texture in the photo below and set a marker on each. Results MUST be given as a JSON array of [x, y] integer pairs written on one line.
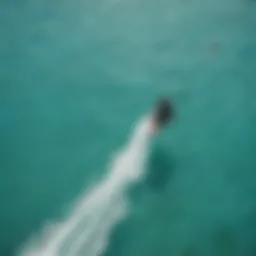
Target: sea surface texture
[[80, 173]]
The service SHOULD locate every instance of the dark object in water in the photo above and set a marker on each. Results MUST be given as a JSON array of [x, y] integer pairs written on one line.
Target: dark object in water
[[164, 112]]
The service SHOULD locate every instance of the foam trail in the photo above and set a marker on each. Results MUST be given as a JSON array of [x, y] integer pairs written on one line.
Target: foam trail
[[87, 228]]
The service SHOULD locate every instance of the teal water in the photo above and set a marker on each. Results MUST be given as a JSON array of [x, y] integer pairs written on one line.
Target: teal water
[[76, 76]]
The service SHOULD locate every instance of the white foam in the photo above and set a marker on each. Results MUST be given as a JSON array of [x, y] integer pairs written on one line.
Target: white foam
[[87, 227]]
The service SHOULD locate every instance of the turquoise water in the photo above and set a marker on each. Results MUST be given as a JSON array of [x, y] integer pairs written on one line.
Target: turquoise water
[[77, 75]]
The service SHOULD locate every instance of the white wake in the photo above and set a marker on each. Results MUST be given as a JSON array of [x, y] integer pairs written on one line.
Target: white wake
[[86, 230]]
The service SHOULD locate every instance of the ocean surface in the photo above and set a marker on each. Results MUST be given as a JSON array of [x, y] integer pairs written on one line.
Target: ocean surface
[[79, 174]]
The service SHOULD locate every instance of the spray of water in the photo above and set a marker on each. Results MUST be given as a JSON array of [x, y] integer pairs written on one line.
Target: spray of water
[[86, 229]]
